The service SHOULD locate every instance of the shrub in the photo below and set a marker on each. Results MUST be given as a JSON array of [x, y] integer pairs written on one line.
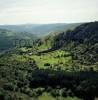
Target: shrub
[[46, 64], [8, 86]]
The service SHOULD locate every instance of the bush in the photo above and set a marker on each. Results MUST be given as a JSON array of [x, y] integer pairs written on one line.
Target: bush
[[1, 97], [8, 86], [39, 92], [46, 64], [55, 93], [64, 92]]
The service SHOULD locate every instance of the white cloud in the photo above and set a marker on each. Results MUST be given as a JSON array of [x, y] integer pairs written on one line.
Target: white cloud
[[47, 11]]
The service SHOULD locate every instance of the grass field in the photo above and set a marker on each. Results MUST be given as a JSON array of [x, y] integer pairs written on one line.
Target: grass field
[[52, 59]]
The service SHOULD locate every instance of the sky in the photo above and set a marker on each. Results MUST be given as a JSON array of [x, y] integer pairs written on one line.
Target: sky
[[47, 11]]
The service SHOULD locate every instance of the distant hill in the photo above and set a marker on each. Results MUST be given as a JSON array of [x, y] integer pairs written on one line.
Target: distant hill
[[8, 38], [29, 31], [40, 29]]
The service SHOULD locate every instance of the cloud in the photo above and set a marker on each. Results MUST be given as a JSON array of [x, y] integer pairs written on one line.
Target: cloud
[[47, 11]]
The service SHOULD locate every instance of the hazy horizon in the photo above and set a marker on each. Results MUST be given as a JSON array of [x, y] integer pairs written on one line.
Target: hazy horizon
[[15, 12], [47, 23]]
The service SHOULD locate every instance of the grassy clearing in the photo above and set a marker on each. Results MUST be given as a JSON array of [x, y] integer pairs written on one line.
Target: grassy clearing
[[54, 58], [47, 96]]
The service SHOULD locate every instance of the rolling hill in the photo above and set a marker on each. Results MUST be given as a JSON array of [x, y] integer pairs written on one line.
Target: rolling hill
[[63, 65], [76, 47], [8, 38], [9, 34], [40, 29]]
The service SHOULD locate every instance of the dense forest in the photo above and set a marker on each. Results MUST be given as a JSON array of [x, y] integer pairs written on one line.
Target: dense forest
[[60, 66]]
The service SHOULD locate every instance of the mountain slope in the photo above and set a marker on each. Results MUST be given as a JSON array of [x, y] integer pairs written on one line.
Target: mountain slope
[[8, 38], [68, 50], [8, 33], [63, 65], [82, 42]]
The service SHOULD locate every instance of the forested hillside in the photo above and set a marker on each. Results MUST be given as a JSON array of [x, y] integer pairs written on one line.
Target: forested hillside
[[8, 38], [81, 42], [27, 33], [60, 66]]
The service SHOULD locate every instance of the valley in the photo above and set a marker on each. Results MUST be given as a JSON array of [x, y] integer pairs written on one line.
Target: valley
[[60, 66]]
